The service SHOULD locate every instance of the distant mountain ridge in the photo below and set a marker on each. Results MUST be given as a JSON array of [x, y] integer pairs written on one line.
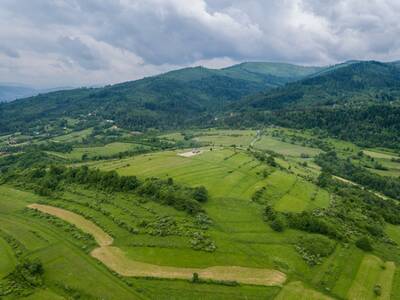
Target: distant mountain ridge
[[165, 100], [10, 92]]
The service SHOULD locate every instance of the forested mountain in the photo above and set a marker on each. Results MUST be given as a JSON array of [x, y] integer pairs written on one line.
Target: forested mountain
[[352, 85], [166, 100], [357, 101]]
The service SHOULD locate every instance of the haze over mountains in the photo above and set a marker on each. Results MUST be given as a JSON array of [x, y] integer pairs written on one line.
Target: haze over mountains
[[12, 91]]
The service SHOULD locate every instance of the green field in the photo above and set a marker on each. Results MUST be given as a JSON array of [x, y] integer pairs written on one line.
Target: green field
[[284, 148], [76, 136], [238, 138], [296, 290]]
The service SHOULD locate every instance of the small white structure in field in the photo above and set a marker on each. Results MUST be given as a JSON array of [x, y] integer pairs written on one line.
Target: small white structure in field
[[191, 153]]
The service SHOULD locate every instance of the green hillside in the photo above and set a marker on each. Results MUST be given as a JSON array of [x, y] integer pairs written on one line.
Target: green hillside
[[356, 101], [355, 84], [167, 100]]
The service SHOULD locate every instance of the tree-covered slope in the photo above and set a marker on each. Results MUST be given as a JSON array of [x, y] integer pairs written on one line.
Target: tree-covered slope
[[161, 101], [357, 101], [354, 84]]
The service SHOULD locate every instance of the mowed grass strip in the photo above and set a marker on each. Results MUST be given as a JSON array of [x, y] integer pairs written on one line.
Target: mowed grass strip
[[102, 238], [373, 271], [115, 258], [296, 291]]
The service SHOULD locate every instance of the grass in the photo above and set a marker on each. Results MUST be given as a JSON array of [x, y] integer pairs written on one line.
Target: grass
[[293, 194], [373, 271], [284, 148], [7, 259], [76, 136], [182, 290], [239, 138], [297, 291]]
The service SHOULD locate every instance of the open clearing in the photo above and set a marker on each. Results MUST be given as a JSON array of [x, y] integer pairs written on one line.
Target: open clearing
[[116, 260]]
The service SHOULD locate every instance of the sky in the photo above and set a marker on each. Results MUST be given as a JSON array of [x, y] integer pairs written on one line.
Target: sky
[[59, 43]]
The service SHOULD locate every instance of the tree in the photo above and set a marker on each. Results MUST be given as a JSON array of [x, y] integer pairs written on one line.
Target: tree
[[323, 179], [200, 193], [364, 244], [195, 277], [271, 161]]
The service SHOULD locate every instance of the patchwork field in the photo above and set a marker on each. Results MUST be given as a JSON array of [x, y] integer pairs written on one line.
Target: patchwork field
[[144, 249]]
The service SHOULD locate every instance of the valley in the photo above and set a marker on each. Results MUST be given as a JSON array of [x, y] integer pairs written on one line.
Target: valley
[[227, 247]]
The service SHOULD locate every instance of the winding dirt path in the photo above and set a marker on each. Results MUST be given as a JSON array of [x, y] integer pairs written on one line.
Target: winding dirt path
[[115, 259]]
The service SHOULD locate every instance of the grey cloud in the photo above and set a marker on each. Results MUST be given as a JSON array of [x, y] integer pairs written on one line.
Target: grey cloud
[[80, 53], [9, 51], [134, 37]]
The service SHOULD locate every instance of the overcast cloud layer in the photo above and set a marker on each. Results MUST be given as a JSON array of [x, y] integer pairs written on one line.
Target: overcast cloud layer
[[82, 42]]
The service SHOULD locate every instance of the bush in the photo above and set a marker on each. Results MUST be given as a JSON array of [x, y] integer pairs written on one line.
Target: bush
[[377, 290], [200, 193], [364, 244], [278, 224]]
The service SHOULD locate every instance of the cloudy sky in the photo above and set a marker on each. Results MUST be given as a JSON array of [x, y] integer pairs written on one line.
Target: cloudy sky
[[50, 43]]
